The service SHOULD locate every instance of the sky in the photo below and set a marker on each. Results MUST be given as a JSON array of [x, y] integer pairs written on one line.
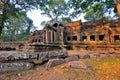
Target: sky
[[38, 18]]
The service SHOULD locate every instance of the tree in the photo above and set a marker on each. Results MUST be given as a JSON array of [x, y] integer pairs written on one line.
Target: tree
[[99, 10], [95, 12], [56, 10], [17, 27], [13, 6], [92, 8]]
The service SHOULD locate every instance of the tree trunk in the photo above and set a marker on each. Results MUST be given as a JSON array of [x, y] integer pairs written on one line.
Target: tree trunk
[[3, 16]]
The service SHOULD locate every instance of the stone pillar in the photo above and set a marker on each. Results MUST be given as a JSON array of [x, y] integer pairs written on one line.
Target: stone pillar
[[51, 37], [78, 38], [38, 40], [60, 34], [107, 37], [88, 38], [111, 38], [96, 37], [46, 36]]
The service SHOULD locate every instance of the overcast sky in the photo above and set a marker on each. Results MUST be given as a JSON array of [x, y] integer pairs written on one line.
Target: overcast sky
[[37, 18]]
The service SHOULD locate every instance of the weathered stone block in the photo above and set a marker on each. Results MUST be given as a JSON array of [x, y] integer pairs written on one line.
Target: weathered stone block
[[7, 67], [18, 56], [84, 56], [54, 62], [45, 56], [58, 54], [72, 58], [76, 64]]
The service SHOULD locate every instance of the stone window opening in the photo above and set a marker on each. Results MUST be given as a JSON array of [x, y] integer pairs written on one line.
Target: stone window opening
[[116, 37], [68, 38], [49, 36], [74, 38], [33, 34], [60, 25], [101, 37], [35, 40], [32, 41], [53, 36], [84, 38], [55, 25], [69, 48], [92, 37], [39, 40]]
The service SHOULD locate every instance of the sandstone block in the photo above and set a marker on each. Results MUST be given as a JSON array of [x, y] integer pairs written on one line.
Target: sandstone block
[[54, 62]]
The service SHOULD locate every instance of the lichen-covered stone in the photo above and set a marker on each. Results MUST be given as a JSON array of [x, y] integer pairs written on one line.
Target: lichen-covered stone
[[54, 62], [84, 56], [72, 58], [7, 67], [76, 64]]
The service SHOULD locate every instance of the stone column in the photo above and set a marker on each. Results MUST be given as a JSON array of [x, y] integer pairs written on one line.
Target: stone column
[[79, 38], [55, 37], [96, 37], [88, 38], [111, 38], [46, 36], [38, 40], [107, 37], [51, 36], [62, 34]]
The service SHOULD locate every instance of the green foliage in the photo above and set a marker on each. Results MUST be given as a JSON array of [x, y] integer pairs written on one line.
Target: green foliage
[[63, 20], [92, 8], [99, 9], [10, 8], [17, 28], [54, 9], [95, 12]]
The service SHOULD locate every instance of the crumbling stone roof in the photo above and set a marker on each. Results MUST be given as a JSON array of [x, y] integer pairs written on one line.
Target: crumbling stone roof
[[49, 27], [75, 23]]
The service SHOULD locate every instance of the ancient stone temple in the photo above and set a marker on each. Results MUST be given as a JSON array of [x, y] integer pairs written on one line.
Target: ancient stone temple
[[99, 34], [79, 35], [91, 35], [51, 34]]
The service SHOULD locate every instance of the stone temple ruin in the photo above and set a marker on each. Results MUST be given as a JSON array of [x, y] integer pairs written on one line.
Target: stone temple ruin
[[101, 34], [98, 34], [52, 42]]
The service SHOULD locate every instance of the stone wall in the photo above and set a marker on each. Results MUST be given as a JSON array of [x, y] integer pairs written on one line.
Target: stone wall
[[12, 45]]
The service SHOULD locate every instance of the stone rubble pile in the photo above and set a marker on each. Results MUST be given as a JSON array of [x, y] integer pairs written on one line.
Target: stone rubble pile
[[23, 61], [5, 67]]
